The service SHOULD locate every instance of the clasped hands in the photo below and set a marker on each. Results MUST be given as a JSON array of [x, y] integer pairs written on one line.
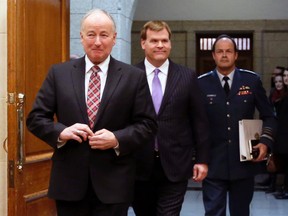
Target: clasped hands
[[102, 139]]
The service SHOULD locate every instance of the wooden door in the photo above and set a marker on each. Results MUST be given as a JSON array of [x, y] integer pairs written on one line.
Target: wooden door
[[38, 36]]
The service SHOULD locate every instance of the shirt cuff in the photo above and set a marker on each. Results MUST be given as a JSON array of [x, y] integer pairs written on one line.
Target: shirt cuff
[[117, 149], [60, 143]]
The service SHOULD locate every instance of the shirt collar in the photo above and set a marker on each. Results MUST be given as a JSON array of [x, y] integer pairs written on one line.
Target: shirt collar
[[103, 65], [150, 68], [230, 75]]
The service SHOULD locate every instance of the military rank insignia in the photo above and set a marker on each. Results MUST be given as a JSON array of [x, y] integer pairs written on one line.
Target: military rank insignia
[[244, 90]]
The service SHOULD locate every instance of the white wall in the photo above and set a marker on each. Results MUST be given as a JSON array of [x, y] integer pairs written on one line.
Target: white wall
[[211, 9], [3, 106]]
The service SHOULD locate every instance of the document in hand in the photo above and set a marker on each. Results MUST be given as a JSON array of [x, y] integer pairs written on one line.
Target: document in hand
[[249, 133]]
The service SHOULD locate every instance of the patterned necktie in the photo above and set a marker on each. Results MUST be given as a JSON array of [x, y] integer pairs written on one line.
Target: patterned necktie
[[226, 85], [157, 94], [93, 95]]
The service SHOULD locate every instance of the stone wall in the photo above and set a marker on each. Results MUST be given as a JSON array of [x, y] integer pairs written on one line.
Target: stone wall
[[122, 12]]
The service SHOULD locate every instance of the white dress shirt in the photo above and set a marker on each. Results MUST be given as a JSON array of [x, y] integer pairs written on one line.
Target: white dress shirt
[[162, 75], [230, 75]]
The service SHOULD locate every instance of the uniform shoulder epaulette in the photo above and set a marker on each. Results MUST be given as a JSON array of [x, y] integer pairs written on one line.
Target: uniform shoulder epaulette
[[205, 75], [248, 71]]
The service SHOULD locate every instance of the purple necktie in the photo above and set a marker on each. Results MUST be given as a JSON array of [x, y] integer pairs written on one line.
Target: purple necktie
[[157, 94]]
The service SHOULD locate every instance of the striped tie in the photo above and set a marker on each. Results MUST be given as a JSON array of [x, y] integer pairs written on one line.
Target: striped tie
[[93, 95]]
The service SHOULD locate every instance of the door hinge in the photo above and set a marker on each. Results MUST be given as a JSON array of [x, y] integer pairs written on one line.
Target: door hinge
[[11, 98], [11, 174]]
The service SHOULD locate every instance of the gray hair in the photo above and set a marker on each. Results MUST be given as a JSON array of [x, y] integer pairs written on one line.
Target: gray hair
[[97, 11]]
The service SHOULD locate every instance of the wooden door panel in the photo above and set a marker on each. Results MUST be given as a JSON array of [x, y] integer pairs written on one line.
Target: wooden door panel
[[42, 206], [36, 176], [43, 47], [38, 36]]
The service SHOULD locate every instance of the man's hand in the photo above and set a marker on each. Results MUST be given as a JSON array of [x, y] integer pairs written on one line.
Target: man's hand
[[78, 132], [103, 139], [200, 171], [262, 152]]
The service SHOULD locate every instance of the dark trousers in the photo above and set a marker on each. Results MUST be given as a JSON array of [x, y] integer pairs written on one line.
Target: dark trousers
[[90, 205], [284, 163], [240, 194], [159, 196]]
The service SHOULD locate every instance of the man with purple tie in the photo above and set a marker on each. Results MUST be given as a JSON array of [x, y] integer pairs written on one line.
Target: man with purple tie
[[164, 166]]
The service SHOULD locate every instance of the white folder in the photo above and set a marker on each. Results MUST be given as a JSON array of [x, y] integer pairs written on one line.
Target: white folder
[[249, 129]]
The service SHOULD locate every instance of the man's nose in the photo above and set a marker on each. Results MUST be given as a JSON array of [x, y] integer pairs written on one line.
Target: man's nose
[[160, 44], [97, 40]]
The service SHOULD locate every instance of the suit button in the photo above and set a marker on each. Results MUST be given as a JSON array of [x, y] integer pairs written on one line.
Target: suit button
[[227, 103], [229, 141], [228, 115], [229, 128]]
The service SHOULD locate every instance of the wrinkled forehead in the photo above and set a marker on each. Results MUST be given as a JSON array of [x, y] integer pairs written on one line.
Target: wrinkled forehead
[[98, 18]]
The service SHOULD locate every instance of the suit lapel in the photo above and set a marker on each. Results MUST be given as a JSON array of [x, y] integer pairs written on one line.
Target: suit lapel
[[172, 81], [113, 78], [78, 82]]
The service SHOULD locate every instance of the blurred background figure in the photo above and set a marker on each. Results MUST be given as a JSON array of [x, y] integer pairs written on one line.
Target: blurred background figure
[[281, 145], [275, 98], [277, 70]]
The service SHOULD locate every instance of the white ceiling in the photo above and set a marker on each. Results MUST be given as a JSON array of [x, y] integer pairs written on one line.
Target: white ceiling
[[211, 9]]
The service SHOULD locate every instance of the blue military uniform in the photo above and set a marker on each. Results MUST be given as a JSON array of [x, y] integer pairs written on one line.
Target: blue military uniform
[[224, 112]]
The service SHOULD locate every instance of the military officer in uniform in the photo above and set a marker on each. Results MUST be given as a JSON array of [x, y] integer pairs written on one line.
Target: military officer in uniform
[[232, 94]]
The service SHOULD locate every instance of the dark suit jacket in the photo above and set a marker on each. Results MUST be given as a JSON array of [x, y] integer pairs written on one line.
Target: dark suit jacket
[[182, 127], [126, 109], [246, 94]]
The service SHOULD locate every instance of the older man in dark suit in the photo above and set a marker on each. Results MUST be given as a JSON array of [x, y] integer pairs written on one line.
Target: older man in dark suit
[[165, 166], [231, 95], [97, 131]]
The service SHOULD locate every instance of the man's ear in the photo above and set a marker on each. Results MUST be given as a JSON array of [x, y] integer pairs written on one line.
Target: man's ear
[[143, 44]]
